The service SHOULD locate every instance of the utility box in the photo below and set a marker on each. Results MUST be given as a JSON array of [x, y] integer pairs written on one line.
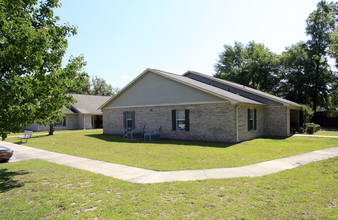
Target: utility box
[[152, 136]]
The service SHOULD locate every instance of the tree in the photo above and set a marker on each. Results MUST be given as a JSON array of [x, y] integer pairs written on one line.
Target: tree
[[252, 65], [98, 86], [294, 63], [33, 83], [306, 76], [307, 113], [320, 25], [333, 47], [71, 82]]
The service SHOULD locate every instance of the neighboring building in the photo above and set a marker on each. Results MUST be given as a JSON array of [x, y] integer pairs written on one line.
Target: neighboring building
[[84, 114], [196, 106]]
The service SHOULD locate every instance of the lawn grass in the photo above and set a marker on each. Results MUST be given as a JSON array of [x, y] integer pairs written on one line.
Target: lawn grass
[[38, 133], [37, 189], [175, 155], [326, 133]]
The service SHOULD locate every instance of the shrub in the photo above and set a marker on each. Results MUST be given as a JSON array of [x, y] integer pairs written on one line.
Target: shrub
[[310, 128], [307, 113]]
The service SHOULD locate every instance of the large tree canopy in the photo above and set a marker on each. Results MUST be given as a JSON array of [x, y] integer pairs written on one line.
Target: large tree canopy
[[294, 83], [321, 24], [97, 86], [302, 73], [33, 84], [252, 65]]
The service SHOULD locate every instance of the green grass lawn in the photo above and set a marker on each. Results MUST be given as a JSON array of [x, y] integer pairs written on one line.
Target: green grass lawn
[[174, 155], [15, 135], [37, 189], [326, 133]]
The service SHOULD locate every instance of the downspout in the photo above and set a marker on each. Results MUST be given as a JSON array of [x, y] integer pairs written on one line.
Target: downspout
[[84, 122], [237, 136]]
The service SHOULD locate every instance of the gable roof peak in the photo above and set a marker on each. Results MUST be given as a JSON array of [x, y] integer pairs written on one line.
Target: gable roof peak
[[223, 94]]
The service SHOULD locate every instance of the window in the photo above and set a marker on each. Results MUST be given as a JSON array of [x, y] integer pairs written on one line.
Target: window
[[129, 120], [180, 120], [62, 123], [252, 124]]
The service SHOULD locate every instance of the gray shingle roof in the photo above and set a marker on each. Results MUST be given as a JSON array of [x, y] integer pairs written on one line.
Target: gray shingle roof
[[87, 104], [247, 89]]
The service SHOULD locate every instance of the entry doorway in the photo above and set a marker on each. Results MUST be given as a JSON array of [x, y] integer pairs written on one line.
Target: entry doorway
[[97, 121], [294, 121]]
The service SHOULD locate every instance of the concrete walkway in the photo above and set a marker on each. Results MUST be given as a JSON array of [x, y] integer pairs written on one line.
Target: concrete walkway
[[313, 135], [139, 175], [55, 132]]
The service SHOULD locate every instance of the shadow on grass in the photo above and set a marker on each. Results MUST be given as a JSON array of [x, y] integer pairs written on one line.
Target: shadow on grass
[[275, 138], [7, 182], [32, 138], [120, 139]]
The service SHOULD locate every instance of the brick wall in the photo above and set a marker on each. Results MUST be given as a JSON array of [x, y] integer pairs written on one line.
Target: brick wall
[[243, 132], [73, 121], [277, 121], [84, 120], [208, 122]]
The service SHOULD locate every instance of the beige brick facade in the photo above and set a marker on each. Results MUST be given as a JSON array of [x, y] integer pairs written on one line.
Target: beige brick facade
[[277, 121], [219, 110], [73, 122], [243, 132], [208, 122]]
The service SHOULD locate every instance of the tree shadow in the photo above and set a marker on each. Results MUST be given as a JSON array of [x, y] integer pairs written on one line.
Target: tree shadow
[[33, 137], [7, 182]]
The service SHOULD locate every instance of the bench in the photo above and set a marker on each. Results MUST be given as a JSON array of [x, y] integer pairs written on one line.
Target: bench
[[26, 135]]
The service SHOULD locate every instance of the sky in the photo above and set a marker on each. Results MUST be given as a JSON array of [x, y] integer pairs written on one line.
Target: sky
[[121, 38]]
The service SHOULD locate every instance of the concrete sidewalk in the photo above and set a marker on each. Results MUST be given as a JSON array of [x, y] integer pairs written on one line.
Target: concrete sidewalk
[[139, 175], [313, 135]]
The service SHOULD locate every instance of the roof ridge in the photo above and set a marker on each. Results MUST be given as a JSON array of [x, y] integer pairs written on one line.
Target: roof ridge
[[91, 95], [161, 71]]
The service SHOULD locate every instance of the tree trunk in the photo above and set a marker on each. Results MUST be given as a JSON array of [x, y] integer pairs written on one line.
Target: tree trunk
[[315, 94], [51, 129]]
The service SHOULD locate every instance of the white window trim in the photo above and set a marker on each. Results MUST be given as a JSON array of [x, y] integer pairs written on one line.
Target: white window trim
[[180, 119]]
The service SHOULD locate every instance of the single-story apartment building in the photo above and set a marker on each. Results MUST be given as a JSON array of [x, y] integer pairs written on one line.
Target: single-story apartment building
[[84, 114], [195, 106]]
